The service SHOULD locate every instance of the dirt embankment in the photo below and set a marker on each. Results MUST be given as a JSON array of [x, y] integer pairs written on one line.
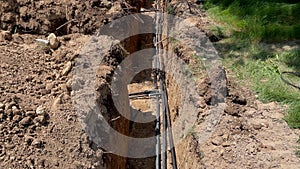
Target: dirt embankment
[[44, 17]]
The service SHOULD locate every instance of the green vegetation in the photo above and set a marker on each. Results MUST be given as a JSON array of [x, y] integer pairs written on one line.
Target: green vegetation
[[261, 41], [298, 153], [171, 10], [258, 20], [264, 77], [192, 132]]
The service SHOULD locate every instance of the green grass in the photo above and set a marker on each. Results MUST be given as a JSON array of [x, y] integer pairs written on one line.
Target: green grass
[[258, 20], [298, 153], [191, 132], [250, 27], [263, 75]]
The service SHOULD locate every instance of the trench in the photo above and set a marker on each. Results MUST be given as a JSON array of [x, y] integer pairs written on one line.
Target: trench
[[188, 153], [143, 81], [140, 82]]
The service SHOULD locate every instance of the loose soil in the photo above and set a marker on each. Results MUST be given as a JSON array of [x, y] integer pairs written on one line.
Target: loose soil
[[39, 127]]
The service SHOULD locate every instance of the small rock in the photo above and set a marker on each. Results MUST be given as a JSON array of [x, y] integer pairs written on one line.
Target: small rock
[[37, 143], [245, 125], [17, 118], [70, 118], [17, 38], [2, 116], [40, 111], [240, 100], [23, 11], [270, 147], [40, 119], [217, 141], [250, 112], [57, 75], [63, 87], [257, 126], [49, 86], [266, 125], [12, 158], [115, 9], [5, 35], [9, 112], [67, 69], [251, 148], [225, 144], [202, 104], [231, 110], [225, 136], [16, 111], [9, 105], [56, 102], [26, 121], [8, 17], [56, 163], [10, 146], [44, 92], [60, 56], [53, 41], [69, 84], [28, 139], [2, 106], [30, 113]]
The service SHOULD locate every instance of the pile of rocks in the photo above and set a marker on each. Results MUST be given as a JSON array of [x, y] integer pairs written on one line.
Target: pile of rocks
[[19, 131], [11, 112]]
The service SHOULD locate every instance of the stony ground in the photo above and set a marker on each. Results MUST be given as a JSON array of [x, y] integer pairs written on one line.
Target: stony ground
[[40, 129]]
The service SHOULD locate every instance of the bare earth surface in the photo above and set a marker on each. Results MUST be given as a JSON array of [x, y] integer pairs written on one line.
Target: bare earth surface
[[39, 127]]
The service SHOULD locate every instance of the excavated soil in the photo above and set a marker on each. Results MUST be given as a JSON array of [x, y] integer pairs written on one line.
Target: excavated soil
[[39, 127], [51, 136], [60, 17]]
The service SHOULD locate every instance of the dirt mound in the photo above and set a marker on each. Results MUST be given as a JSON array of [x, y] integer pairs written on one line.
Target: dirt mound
[[44, 17], [38, 127]]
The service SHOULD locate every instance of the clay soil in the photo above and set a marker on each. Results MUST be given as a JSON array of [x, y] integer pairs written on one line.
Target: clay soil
[[39, 127]]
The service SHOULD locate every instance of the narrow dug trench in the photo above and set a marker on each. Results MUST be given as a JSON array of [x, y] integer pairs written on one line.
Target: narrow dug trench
[[113, 86], [140, 82], [181, 104]]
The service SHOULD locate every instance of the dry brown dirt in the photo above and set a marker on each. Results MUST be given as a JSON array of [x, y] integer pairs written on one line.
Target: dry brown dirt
[[39, 127]]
